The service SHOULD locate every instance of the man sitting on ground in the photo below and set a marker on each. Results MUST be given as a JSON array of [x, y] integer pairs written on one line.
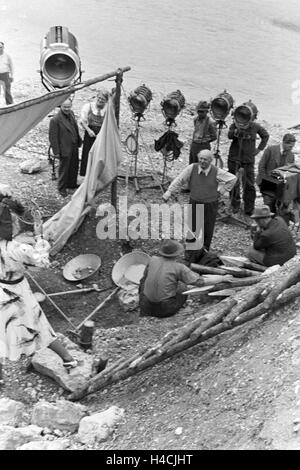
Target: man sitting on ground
[[160, 291], [272, 240]]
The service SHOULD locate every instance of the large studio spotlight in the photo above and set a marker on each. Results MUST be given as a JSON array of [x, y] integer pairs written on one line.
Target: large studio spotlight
[[245, 114], [59, 61], [139, 100], [171, 106], [221, 105]]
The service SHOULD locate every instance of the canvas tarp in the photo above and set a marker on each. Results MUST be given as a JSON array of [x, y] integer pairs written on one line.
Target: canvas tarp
[[103, 161], [17, 120]]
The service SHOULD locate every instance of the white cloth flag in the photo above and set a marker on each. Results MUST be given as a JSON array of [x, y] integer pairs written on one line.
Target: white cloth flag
[[104, 158]]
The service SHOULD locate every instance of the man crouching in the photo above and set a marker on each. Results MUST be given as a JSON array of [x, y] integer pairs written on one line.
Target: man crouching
[[272, 240], [160, 290]]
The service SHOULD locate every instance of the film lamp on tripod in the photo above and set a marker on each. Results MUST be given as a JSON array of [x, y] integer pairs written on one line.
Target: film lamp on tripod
[[138, 100], [172, 105], [60, 66], [244, 115], [220, 107]]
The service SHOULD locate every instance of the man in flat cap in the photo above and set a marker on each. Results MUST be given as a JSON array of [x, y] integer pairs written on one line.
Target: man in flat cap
[[205, 131], [275, 156]]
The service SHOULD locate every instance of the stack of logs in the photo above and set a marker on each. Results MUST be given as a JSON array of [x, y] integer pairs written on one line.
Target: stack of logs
[[262, 296]]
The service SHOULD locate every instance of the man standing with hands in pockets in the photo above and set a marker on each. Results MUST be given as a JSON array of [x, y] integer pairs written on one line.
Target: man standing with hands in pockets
[[6, 73]]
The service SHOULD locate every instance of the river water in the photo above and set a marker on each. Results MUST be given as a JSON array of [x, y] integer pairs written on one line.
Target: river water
[[251, 48]]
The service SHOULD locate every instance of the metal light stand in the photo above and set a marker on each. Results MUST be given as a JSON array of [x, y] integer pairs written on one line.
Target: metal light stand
[[132, 145], [218, 159]]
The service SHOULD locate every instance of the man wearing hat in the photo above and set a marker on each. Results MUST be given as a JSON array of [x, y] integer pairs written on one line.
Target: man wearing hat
[[272, 240], [160, 291], [275, 156], [205, 131]]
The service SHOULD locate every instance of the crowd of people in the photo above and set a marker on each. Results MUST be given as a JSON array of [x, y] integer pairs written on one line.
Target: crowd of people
[[23, 325]]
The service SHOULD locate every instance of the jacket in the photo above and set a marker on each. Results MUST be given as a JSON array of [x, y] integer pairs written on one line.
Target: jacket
[[171, 143], [63, 134], [270, 160], [277, 242], [243, 146]]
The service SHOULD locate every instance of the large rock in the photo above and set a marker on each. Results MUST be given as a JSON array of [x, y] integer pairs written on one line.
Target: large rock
[[99, 426], [11, 438], [58, 444], [48, 363], [12, 413], [63, 415]]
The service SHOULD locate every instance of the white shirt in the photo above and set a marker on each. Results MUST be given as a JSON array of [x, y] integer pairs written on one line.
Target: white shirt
[[85, 112], [226, 180], [6, 64]]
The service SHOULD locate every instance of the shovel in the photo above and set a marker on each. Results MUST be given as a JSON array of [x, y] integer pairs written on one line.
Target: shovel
[[78, 291]]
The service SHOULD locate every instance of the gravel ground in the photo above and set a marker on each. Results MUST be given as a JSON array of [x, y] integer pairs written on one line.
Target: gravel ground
[[224, 394]]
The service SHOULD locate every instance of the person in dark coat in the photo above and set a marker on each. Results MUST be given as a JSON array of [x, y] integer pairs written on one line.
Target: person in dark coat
[[242, 154], [274, 157], [65, 140], [272, 241], [205, 131]]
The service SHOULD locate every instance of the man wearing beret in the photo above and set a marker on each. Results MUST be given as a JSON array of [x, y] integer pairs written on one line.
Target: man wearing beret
[[205, 131], [272, 240]]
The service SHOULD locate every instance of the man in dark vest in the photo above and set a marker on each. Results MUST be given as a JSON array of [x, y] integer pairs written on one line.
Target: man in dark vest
[[272, 240], [65, 139], [242, 154], [204, 133], [206, 183], [274, 157]]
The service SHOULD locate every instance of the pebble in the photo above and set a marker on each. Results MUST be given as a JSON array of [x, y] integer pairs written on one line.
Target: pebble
[[178, 431]]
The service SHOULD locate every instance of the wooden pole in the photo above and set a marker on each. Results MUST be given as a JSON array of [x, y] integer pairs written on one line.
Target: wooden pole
[[63, 91], [117, 100]]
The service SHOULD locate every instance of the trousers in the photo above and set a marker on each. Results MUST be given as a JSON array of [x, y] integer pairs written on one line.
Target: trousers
[[210, 215], [5, 78], [248, 184], [68, 170]]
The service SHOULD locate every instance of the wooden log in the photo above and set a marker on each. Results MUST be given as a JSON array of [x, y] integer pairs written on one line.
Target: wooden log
[[287, 282], [252, 300], [170, 348], [247, 281], [200, 268], [238, 272], [242, 263]]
